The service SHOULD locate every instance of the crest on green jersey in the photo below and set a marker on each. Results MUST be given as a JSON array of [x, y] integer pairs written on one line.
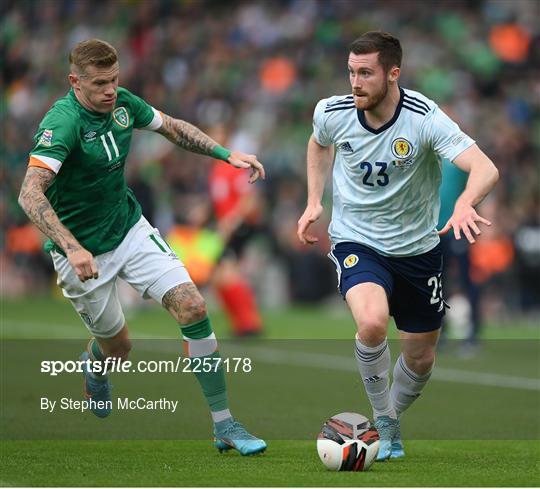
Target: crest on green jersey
[[121, 116]]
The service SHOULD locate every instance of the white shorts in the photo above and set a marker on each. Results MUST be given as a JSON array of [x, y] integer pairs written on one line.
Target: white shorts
[[143, 259]]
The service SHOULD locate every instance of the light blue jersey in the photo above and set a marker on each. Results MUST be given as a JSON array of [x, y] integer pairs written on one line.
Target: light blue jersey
[[386, 181]]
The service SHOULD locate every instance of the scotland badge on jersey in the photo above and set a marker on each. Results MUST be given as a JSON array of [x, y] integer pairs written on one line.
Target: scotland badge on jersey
[[402, 151], [350, 261]]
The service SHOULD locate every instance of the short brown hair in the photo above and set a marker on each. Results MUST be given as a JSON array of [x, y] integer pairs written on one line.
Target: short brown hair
[[93, 52], [388, 47]]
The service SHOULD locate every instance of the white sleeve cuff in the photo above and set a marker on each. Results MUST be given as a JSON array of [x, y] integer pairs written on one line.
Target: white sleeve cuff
[[155, 123], [52, 163]]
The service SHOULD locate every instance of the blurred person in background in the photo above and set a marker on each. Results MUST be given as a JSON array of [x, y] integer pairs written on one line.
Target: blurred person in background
[[491, 259], [210, 236], [238, 211], [75, 192], [385, 144], [461, 292], [527, 250], [264, 63], [310, 273]]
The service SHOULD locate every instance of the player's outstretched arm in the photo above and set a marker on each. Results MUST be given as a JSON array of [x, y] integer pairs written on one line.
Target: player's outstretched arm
[[319, 162], [192, 139], [35, 204], [483, 175]]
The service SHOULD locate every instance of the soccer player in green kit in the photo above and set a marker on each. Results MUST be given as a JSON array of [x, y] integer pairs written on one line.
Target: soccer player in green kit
[[75, 192]]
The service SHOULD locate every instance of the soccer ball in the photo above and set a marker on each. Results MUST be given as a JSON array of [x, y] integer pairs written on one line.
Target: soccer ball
[[348, 442]]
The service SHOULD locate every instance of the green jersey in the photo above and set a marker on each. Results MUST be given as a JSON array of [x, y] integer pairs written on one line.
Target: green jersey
[[87, 150]]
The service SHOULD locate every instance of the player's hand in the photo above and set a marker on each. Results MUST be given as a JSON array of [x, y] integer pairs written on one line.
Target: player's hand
[[310, 215], [243, 160], [83, 263], [464, 220]]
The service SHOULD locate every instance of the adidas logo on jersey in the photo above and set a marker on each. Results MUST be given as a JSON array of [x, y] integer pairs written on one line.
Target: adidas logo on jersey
[[346, 147]]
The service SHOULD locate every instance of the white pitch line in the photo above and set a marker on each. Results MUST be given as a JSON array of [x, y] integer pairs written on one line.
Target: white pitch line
[[329, 362], [481, 378], [335, 362], [26, 330]]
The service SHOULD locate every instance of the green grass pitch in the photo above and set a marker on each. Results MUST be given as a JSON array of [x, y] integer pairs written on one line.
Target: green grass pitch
[[475, 405], [286, 463]]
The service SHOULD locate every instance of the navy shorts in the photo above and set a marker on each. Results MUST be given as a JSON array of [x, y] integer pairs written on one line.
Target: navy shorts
[[412, 284]]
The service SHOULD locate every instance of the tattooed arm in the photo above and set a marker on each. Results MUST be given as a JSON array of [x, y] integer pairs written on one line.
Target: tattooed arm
[[192, 139], [35, 204]]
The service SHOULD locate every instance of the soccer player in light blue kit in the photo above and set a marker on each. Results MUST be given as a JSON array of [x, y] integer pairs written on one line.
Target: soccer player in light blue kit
[[386, 143]]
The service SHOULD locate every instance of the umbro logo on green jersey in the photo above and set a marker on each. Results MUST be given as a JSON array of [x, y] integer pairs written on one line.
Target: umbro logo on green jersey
[[90, 136], [121, 117]]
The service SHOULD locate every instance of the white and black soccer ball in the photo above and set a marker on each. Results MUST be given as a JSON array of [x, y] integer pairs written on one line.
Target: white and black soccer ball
[[348, 442]]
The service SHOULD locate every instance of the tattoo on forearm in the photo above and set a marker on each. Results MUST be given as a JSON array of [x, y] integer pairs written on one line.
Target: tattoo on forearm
[[37, 207], [186, 136]]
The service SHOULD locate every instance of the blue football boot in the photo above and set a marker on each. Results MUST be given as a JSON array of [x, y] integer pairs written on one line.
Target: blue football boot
[[397, 449], [397, 445], [231, 434], [387, 428], [97, 390]]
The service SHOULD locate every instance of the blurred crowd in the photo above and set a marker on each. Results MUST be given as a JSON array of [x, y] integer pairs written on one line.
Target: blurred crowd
[[252, 72]]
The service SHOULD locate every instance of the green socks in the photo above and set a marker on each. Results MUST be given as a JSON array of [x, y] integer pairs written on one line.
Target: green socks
[[200, 345]]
